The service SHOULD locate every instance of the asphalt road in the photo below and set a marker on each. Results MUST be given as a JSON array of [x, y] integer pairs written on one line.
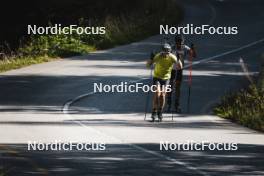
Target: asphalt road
[[55, 101]]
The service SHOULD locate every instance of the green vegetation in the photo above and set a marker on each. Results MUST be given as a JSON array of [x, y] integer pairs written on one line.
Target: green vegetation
[[125, 22], [54, 46], [17, 62], [43, 49], [245, 107]]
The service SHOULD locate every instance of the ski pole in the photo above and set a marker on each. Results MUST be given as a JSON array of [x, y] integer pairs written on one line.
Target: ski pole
[[190, 78], [148, 95], [172, 87], [172, 115]]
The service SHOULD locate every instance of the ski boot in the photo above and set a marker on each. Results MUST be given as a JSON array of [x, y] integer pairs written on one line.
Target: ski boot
[[153, 116], [160, 117]]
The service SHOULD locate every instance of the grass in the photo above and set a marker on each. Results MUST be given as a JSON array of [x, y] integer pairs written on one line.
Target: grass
[[8, 64], [35, 54], [245, 107]]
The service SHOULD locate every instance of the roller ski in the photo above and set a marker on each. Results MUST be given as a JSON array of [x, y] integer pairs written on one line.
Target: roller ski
[[153, 116], [160, 116]]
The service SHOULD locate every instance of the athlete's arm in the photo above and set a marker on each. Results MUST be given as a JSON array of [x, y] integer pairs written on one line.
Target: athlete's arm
[[179, 65], [149, 63], [152, 59], [192, 51], [177, 62]]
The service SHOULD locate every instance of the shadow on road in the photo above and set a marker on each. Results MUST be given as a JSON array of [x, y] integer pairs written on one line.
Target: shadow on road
[[47, 94], [128, 160]]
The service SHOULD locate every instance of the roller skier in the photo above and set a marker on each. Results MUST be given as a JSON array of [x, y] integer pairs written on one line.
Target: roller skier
[[180, 50], [164, 62]]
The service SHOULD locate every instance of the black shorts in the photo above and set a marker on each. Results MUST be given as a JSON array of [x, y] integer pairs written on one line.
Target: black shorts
[[176, 75], [161, 82], [179, 75]]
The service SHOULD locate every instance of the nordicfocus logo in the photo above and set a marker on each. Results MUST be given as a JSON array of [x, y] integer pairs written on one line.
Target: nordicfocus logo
[[65, 146], [67, 30], [198, 30], [125, 87], [197, 146]]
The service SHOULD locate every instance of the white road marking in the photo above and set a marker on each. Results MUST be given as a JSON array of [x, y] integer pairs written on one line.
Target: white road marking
[[67, 105], [226, 53]]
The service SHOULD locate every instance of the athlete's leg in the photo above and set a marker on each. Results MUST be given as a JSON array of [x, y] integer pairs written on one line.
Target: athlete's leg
[[155, 101], [162, 98]]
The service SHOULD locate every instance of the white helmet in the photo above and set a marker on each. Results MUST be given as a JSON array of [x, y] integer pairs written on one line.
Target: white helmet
[[166, 48]]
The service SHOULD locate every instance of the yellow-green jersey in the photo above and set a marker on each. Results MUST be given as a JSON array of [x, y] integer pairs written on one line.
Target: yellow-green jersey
[[163, 65]]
